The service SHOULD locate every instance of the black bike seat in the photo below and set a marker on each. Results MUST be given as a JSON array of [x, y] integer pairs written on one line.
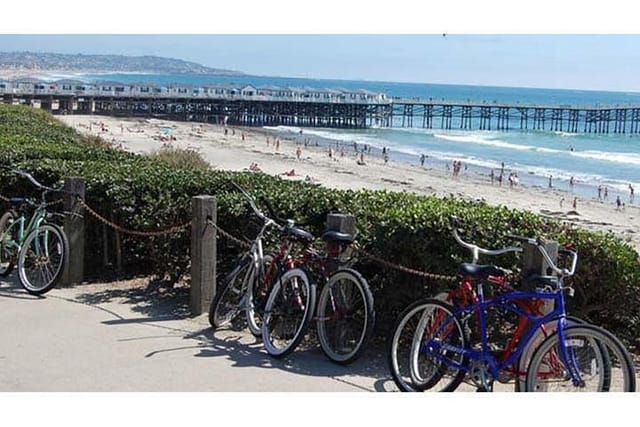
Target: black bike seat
[[298, 234], [17, 201], [480, 271], [336, 236]]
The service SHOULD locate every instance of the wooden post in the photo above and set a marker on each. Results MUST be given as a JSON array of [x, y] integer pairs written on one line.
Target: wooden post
[[74, 226], [534, 263], [203, 254], [343, 223]]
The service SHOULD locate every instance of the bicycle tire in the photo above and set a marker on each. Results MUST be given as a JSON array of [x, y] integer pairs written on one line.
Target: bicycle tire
[[603, 363], [288, 312], [7, 254], [345, 316], [227, 304], [401, 349], [57, 249], [255, 305], [535, 340]]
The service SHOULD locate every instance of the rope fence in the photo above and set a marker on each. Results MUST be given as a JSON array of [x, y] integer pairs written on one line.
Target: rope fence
[[168, 231], [242, 243], [404, 269]]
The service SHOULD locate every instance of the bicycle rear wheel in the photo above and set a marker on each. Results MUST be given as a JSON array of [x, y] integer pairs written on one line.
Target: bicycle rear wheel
[[7, 250], [598, 358], [345, 316], [414, 364], [42, 258], [288, 311], [227, 304]]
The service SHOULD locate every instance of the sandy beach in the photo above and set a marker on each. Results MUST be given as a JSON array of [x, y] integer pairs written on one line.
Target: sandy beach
[[241, 147]]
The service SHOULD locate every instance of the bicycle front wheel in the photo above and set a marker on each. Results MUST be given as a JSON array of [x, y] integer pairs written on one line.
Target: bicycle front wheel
[[345, 316], [415, 364], [227, 304], [7, 250], [287, 313], [42, 258], [257, 297], [591, 360]]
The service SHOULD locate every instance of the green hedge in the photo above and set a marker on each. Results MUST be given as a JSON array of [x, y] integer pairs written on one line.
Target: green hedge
[[142, 193]]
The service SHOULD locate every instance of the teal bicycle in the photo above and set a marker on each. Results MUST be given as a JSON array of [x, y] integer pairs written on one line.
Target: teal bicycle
[[39, 248]]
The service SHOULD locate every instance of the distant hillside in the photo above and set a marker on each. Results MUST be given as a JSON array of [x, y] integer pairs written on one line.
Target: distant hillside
[[105, 63]]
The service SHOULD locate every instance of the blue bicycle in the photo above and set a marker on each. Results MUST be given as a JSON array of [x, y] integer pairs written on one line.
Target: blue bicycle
[[449, 342]]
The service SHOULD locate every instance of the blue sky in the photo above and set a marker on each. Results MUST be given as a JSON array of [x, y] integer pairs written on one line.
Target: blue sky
[[596, 62]]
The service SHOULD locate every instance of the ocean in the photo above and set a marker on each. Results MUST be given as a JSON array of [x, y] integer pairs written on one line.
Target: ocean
[[592, 160]]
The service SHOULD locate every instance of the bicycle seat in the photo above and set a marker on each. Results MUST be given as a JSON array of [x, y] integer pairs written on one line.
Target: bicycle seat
[[336, 236], [480, 271], [298, 234], [17, 201]]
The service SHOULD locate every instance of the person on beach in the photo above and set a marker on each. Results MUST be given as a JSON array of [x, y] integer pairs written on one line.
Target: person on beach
[[571, 182], [561, 202], [226, 132], [277, 144], [243, 136], [631, 193], [386, 158], [599, 192], [422, 160], [330, 152], [550, 178], [606, 192], [491, 176], [298, 152], [618, 203], [361, 159], [575, 203]]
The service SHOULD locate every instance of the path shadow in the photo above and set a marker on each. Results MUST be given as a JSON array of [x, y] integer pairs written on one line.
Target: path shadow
[[157, 300], [11, 288], [247, 351]]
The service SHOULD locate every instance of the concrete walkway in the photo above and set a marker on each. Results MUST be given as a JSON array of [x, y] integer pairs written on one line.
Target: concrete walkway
[[123, 337]]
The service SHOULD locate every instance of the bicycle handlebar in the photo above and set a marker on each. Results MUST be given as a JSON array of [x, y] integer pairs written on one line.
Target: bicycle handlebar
[[475, 249], [252, 203], [30, 178], [537, 242]]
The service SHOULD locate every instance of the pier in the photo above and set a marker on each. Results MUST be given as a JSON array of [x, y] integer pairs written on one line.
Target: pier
[[309, 107]]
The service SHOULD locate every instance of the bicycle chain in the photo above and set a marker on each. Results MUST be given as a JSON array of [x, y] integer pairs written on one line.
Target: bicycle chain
[[171, 230]]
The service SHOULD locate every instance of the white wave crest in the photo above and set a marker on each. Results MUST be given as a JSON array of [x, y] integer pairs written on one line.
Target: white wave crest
[[479, 139]]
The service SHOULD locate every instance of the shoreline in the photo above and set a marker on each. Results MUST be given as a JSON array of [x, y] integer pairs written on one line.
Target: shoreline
[[235, 152]]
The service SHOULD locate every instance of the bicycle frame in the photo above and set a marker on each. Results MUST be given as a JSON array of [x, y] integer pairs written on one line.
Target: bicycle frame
[[506, 302], [262, 279], [34, 223]]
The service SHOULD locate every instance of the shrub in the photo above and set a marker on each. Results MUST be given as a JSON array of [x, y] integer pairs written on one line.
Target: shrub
[[148, 193], [182, 158]]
